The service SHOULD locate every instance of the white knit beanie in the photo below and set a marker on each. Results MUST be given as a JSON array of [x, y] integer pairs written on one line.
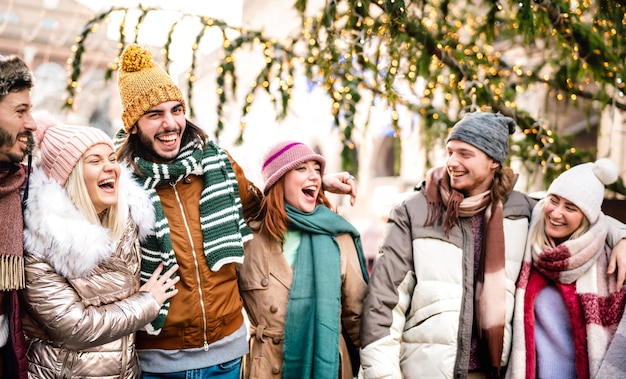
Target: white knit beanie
[[584, 184], [61, 146]]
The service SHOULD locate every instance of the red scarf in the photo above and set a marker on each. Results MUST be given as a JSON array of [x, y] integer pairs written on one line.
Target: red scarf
[[11, 228], [490, 293]]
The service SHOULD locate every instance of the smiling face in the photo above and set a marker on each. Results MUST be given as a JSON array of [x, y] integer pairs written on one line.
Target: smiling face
[[101, 173], [160, 130], [16, 126], [471, 171], [302, 186], [561, 218]]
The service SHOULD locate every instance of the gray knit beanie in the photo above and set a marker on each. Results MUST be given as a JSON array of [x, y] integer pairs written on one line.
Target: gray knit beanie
[[488, 132]]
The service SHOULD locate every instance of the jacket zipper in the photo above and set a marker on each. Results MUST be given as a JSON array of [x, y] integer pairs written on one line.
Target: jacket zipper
[[124, 356], [195, 261], [463, 345]]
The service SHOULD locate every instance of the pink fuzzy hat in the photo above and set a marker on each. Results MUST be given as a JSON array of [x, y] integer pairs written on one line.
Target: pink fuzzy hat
[[283, 157], [61, 146]]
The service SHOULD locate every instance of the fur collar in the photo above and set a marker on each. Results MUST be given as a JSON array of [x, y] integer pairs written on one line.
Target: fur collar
[[57, 232]]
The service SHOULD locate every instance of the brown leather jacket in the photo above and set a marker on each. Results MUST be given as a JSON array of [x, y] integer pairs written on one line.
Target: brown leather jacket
[[265, 279], [207, 307]]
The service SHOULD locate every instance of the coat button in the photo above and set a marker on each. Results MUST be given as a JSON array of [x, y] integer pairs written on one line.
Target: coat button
[[275, 370], [188, 179], [276, 340], [273, 309], [265, 282]]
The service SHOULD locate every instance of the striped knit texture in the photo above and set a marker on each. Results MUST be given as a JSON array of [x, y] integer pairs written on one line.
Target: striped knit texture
[[221, 216], [584, 184], [61, 146], [283, 157], [143, 84]]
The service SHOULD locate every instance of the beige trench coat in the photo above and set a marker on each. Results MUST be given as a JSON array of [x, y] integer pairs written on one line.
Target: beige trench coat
[[264, 281]]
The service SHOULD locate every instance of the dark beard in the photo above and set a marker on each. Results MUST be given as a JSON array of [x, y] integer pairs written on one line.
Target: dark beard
[[7, 141], [147, 151]]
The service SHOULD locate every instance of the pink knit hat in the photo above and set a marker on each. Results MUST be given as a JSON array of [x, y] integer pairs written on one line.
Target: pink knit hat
[[284, 156], [61, 146]]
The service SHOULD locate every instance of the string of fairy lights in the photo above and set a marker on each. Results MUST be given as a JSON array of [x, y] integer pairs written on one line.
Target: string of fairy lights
[[439, 61]]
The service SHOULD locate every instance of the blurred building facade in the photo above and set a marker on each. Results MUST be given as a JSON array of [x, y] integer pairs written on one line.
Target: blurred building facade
[[43, 32]]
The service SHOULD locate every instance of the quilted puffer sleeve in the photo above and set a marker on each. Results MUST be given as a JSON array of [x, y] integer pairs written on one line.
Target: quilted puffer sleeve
[[72, 320], [388, 298]]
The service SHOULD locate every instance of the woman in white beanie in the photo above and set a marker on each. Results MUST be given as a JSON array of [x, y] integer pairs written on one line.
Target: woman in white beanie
[[567, 308], [84, 218], [303, 277]]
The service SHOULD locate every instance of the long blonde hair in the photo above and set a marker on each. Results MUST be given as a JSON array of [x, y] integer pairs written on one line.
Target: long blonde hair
[[115, 217]]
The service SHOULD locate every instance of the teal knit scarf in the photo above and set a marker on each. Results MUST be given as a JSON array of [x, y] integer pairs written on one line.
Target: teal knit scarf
[[311, 348], [221, 217]]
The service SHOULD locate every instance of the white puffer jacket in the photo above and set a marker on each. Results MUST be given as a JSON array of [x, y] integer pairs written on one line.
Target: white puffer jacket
[[418, 314]]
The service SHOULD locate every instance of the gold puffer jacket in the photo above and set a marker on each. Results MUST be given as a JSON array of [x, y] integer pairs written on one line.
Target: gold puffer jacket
[[81, 301]]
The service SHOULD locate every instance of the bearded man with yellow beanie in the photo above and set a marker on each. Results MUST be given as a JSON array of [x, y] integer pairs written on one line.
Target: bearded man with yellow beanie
[[201, 199]]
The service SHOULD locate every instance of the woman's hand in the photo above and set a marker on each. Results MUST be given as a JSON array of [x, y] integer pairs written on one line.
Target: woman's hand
[[160, 285], [342, 183]]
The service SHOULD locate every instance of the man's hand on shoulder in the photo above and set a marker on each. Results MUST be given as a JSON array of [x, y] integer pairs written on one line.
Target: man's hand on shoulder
[[342, 183]]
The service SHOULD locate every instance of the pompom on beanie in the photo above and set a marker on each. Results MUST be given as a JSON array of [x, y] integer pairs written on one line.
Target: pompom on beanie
[[584, 184], [285, 156], [488, 132], [61, 146], [143, 84]]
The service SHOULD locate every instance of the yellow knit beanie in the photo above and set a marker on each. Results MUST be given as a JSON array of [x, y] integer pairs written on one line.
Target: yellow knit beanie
[[143, 84]]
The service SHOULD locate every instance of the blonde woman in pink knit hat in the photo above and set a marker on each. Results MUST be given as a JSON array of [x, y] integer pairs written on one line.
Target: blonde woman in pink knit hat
[[303, 277], [84, 219]]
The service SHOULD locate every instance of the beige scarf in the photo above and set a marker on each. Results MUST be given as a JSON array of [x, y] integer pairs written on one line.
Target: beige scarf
[[490, 293]]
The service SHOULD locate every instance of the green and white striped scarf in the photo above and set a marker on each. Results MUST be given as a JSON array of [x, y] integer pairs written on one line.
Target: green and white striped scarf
[[224, 229]]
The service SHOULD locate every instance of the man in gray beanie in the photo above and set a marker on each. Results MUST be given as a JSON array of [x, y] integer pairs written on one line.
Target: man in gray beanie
[[16, 141], [441, 294]]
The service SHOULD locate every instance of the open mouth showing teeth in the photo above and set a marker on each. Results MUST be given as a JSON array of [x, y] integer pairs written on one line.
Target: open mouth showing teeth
[[309, 192], [556, 223], [108, 183], [168, 138]]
